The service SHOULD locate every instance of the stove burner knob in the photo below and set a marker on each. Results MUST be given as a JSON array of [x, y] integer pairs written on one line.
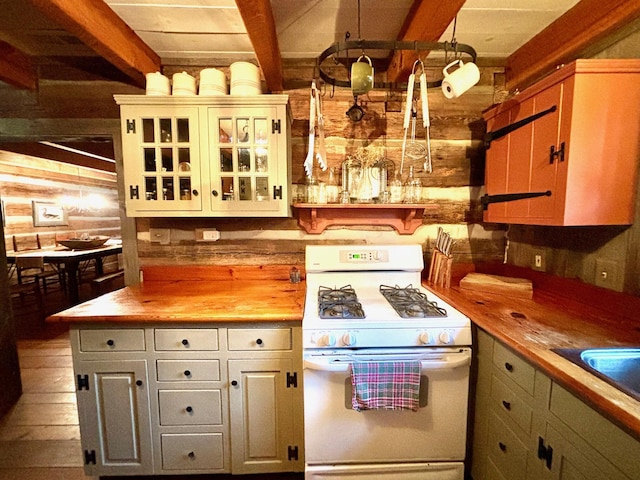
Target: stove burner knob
[[348, 339], [445, 337], [327, 340], [424, 338]]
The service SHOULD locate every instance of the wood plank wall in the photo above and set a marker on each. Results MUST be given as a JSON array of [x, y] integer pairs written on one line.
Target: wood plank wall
[[24, 179], [452, 190]]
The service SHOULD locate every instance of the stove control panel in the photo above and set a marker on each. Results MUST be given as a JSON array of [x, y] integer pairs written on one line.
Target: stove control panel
[[373, 337], [364, 256]]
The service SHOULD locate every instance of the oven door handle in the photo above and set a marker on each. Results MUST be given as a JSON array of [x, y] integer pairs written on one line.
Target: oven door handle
[[441, 362]]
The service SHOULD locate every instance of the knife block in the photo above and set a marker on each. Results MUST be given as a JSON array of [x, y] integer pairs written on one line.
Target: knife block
[[440, 269]]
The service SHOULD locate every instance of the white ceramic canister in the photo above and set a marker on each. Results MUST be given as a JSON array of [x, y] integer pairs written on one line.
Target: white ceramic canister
[[183, 84], [157, 84], [245, 79], [212, 82]]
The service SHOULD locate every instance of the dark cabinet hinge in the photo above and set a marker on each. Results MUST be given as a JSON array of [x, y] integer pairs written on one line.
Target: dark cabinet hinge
[[277, 192], [292, 452], [545, 453], [501, 132], [292, 379], [509, 197], [559, 154], [276, 126], [134, 192], [83, 382], [89, 457], [131, 125]]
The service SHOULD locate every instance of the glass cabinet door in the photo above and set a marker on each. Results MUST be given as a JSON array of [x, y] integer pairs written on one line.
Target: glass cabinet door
[[169, 152], [243, 159]]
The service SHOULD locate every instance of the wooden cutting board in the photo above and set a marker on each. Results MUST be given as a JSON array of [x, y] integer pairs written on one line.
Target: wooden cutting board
[[517, 287]]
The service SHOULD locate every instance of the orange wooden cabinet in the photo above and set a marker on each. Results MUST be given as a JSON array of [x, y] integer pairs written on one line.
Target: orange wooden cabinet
[[578, 138]]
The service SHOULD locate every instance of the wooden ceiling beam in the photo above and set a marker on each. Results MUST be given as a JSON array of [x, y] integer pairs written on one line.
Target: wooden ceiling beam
[[16, 68], [261, 27], [564, 40], [93, 22], [426, 21], [40, 150]]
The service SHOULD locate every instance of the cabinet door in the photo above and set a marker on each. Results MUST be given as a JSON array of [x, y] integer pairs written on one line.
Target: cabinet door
[[261, 407], [161, 159], [248, 160], [545, 165], [496, 168], [113, 406]]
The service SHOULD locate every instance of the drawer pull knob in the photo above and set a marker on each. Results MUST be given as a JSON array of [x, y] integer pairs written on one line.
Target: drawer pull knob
[[189, 409], [191, 455], [506, 404], [111, 343], [185, 342], [234, 383], [187, 373], [508, 366], [139, 383], [259, 341]]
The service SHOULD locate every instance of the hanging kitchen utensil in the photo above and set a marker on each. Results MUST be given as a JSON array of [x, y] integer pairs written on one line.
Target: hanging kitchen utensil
[[426, 121], [308, 162], [407, 116], [415, 150], [355, 112], [321, 154]]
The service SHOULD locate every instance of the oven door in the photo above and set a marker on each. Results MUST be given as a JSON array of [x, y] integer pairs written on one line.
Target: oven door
[[337, 434]]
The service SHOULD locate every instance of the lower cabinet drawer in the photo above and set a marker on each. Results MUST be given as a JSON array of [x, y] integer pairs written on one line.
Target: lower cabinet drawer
[[112, 340], [190, 407], [511, 405], [194, 451], [506, 451], [188, 370], [259, 338], [186, 339]]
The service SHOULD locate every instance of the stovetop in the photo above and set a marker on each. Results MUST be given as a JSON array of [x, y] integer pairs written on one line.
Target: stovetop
[[366, 278]]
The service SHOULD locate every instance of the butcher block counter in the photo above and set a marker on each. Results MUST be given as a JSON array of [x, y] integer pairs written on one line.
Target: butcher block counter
[[563, 313], [198, 294]]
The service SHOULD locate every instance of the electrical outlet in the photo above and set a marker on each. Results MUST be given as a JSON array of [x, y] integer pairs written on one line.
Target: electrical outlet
[[607, 274], [538, 260], [207, 235], [160, 235]]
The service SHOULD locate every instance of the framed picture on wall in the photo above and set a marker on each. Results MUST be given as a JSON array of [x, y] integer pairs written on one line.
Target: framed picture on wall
[[47, 214]]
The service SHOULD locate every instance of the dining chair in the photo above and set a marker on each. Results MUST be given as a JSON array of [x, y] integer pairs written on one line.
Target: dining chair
[[33, 269], [29, 296]]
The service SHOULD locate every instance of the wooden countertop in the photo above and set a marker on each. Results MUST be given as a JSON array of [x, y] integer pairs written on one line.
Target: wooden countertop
[[230, 294], [532, 327]]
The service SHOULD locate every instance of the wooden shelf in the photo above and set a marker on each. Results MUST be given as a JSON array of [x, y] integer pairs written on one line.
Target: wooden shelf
[[404, 217]]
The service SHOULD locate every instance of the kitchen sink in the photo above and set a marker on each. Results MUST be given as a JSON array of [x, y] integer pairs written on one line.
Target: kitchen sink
[[619, 367]]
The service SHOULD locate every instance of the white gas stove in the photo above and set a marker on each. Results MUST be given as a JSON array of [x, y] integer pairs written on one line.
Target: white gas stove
[[350, 291]]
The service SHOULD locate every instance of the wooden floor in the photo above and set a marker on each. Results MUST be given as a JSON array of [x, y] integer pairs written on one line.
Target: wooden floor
[[39, 436]]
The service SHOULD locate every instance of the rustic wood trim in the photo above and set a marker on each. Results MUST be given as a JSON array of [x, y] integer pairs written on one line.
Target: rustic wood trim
[[66, 156], [426, 21], [101, 29], [588, 22], [16, 68], [261, 27], [167, 273]]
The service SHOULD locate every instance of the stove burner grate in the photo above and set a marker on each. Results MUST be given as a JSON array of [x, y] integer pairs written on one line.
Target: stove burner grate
[[410, 302], [339, 303]]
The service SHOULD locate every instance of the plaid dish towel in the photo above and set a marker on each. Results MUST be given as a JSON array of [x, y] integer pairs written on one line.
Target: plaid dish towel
[[385, 385]]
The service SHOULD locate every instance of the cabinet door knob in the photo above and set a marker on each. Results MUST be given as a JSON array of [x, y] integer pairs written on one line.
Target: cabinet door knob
[[214, 193], [139, 383], [508, 366], [185, 342], [189, 409], [187, 373], [195, 192], [234, 383], [111, 343], [259, 341], [191, 455]]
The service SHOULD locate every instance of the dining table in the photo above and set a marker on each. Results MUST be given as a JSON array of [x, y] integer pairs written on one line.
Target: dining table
[[70, 260]]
